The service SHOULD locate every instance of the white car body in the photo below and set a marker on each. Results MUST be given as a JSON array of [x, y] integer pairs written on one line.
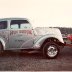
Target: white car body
[[25, 37]]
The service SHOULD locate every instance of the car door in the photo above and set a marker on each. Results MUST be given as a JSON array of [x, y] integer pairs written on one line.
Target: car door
[[21, 35]]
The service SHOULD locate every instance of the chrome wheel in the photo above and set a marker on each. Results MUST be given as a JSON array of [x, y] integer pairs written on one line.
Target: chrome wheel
[[52, 51]]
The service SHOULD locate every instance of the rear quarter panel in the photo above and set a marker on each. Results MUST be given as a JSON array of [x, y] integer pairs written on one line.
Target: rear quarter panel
[[4, 38]]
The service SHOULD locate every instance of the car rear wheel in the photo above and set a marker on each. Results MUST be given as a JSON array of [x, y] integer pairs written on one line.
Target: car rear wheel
[[1, 48], [51, 50]]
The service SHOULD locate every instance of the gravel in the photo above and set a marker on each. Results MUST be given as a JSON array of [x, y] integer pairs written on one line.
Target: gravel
[[19, 61]]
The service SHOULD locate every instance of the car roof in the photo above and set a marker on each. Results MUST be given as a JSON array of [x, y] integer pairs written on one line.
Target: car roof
[[5, 19]]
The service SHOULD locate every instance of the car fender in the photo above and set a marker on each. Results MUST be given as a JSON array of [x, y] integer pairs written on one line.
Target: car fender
[[40, 41]]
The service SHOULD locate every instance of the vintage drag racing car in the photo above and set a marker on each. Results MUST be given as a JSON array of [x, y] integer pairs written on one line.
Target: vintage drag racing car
[[17, 33]]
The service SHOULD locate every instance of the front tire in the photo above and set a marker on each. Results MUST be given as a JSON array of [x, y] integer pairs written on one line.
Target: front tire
[[51, 50]]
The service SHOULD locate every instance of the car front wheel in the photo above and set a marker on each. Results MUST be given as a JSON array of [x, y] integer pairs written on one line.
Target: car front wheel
[[51, 50]]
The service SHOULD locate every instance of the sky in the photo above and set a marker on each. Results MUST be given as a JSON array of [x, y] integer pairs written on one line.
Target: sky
[[41, 13]]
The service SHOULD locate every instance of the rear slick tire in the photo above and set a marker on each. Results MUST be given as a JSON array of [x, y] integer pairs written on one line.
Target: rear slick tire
[[1, 48]]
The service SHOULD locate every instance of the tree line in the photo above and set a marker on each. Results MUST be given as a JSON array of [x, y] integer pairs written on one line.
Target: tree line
[[65, 30]]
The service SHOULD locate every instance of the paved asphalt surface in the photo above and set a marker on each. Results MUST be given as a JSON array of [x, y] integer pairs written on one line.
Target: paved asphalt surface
[[16, 61]]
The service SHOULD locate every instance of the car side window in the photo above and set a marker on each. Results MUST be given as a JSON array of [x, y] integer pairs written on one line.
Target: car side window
[[18, 24], [3, 24], [14, 26], [25, 26]]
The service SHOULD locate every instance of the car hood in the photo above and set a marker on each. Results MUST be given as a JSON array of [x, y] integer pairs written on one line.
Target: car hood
[[44, 31]]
